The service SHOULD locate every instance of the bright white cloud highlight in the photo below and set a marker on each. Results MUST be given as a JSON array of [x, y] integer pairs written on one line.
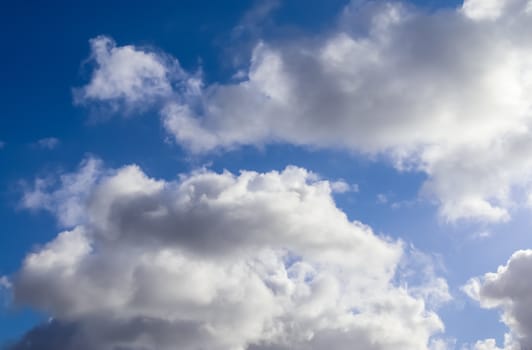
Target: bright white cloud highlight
[[445, 93], [217, 261]]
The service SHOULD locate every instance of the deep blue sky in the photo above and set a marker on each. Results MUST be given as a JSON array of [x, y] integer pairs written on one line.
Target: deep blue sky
[[43, 48]]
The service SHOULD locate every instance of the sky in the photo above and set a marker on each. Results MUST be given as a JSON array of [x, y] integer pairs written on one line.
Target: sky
[[266, 175]]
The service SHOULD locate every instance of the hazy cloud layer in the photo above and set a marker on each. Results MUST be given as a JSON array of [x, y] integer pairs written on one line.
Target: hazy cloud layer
[[217, 261], [446, 93]]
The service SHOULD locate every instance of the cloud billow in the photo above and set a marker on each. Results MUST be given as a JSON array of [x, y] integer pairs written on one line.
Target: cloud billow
[[216, 261], [509, 290], [445, 93]]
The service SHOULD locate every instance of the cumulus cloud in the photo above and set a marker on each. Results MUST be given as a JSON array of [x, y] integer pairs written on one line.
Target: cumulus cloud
[[510, 290], [215, 261], [127, 77], [445, 93]]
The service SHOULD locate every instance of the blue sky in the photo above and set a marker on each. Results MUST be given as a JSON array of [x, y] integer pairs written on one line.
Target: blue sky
[[414, 115]]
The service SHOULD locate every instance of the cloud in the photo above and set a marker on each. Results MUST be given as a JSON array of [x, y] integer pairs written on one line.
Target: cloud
[[215, 261], [482, 234], [420, 274], [484, 9], [341, 186], [442, 344], [445, 93], [48, 143], [4, 283], [492, 10], [5, 289], [67, 197], [382, 198], [488, 344], [509, 289], [126, 77], [252, 21]]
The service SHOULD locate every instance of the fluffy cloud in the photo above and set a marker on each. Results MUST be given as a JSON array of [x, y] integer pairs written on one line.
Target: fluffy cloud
[[510, 290], [445, 93], [216, 261], [488, 344], [126, 77]]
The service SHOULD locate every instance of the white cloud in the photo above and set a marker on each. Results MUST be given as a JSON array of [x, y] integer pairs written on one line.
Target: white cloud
[[217, 261], [382, 198], [490, 10], [126, 77], [446, 93], [5, 291], [420, 273], [66, 199], [341, 186], [491, 344], [484, 9], [488, 344], [442, 344], [509, 289], [483, 234], [48, 143]]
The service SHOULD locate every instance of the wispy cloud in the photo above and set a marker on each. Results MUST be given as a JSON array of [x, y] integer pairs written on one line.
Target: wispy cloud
[[49, 143]]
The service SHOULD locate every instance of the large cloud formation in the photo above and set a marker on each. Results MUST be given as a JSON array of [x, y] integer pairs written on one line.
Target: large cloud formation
[[508, 289], [445, 93], [256, 261]]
